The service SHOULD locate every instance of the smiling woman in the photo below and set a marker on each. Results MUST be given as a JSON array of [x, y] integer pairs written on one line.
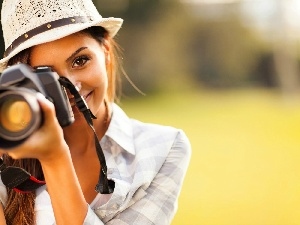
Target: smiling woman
[[133, 175], [82, 61]]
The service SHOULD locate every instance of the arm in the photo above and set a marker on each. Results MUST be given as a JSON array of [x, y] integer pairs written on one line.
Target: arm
[[67, 199], [160, 203], [48, 145]]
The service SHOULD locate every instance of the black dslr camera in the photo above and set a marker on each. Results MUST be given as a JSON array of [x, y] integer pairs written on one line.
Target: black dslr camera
[[20, 113]]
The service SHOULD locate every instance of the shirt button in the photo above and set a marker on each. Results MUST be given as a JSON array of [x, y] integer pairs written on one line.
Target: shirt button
[[102, 214], [115, 206]]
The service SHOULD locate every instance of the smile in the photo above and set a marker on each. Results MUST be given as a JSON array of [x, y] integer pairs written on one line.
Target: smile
[[85, 97]]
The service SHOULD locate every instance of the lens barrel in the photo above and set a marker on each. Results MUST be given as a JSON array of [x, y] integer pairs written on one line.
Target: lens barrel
[[20, 114]]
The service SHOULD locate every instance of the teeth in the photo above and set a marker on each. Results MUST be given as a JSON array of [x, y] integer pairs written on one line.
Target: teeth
[[85, 96]]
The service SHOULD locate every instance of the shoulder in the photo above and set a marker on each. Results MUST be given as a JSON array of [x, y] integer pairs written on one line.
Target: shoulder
[[157, 132], [160, 139], [136, 136]]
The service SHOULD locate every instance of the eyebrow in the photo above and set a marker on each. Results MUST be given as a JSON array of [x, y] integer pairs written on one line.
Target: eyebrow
[[75, 53], [67, 60]]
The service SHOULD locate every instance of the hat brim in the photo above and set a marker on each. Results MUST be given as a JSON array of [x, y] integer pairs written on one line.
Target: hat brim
[[111, 24]]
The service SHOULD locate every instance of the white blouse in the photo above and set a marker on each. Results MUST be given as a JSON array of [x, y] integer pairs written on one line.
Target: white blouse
[[147, 162]]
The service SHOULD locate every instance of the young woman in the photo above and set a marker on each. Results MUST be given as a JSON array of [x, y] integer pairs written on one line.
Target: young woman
[[146, 163]]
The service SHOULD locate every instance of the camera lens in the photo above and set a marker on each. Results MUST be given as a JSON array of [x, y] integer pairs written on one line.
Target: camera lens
[[19, 114], [15, 115]]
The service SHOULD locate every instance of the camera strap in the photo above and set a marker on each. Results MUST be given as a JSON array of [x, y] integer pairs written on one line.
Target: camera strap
[[104, 186], [21, 181], [18, 179]]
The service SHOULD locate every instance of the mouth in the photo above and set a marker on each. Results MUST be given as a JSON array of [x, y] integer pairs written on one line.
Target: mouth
[[85, 97]]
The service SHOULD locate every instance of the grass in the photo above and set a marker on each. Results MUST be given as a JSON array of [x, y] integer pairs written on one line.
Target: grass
[[245, 166]]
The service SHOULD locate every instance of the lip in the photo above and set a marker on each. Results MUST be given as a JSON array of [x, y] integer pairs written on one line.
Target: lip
[[85, 97]]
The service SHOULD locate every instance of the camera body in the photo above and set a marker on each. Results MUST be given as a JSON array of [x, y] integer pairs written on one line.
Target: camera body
[[20, 114]]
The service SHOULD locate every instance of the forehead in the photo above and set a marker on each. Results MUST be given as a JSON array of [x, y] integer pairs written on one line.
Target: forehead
[[63, 47]]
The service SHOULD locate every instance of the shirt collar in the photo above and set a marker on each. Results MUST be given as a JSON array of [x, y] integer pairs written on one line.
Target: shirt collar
[[120, 129]]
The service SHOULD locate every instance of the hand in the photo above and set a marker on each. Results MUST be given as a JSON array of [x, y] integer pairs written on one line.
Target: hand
[[47, 142]]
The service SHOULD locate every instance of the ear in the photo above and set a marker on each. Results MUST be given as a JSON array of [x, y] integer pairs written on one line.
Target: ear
[[106, 46], [107, 58]]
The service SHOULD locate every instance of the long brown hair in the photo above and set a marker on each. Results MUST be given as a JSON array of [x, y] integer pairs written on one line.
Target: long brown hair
[[19, 208]]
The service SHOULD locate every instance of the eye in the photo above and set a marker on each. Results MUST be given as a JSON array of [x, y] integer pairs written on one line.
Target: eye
[[80, 61]]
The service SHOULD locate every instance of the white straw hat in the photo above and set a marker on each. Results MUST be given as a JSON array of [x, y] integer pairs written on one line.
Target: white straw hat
[[26, 23]]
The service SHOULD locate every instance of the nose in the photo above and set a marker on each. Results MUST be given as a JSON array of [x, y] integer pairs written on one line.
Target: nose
[[74, 81], [77, 85]]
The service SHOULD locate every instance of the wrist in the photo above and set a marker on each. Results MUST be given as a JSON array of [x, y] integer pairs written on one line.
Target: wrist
[[59, 155]]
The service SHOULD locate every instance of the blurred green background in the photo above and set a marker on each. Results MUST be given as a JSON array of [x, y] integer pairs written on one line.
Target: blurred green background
[[227, 73]]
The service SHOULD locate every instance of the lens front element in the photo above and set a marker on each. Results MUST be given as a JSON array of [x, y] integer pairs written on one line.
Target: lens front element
[[15, 115], [19, 115]]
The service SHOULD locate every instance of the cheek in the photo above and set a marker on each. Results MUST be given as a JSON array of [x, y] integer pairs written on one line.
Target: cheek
[[99, 82], [99, 95], [101, 78], [103, 85], [101, 72]]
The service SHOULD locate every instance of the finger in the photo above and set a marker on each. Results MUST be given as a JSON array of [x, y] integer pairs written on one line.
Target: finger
[[47, 108]]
